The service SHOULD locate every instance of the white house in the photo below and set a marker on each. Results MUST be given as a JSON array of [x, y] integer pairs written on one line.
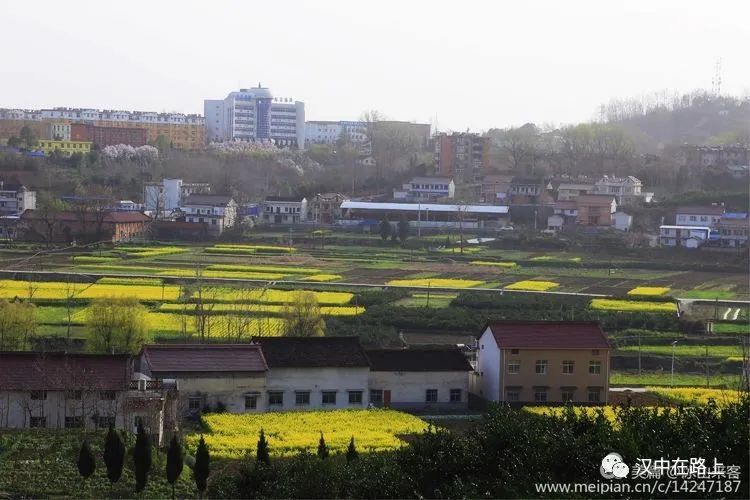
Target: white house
[[683, 236], [217, 212], [622, 221], [626, 190], [424, 379], [169, 194], [284, 210], [542, 361], [307, 373], [568, 191], [426, 188], [709, 215], [15, 198]]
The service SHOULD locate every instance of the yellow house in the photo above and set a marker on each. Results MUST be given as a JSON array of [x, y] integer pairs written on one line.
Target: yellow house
[[66, 148]]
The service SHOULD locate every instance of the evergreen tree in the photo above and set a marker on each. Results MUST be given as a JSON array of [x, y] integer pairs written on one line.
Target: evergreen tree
[[262, 454], [322, 447], [403, 229], [201, 468], [351, 452], [174, 462], [385, 229], [114, 455], [86, 463], [141, 458]]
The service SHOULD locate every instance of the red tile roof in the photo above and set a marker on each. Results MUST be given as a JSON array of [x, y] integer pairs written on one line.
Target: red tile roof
[[549, 334], [109, 217], [57, 371], [449, 359], [180, 358]]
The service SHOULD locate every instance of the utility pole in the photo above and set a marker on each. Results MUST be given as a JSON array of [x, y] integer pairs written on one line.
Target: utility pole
[[708, 381], [639, 352]]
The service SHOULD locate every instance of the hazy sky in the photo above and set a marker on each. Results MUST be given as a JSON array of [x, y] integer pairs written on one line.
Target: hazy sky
[[471, 64]]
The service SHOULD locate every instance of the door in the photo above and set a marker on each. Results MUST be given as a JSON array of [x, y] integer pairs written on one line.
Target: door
[[387, 398]]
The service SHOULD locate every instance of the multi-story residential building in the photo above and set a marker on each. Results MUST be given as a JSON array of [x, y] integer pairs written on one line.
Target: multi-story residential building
[[708, 215], [626, 190], [325, 208], [495, 188], [564, 213], [715, 156], [284, 210], [426, 188], [595, 209], [217, 212], [568, 191], [255, 115], [683, 236], [65, 148], [168, 195], [423, 379], [330, 132], [108, 136], [543, 362], [463, 156], [734, 229], [530, 190], [60, 132], [15, 198]]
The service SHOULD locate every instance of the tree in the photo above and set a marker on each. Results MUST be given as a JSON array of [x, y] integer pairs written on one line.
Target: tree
[[114, 455], [351, 452], [262, 454], [48, 209], [17, 324], [174, 462], [116, 325], [322, 447], [141, 458], [86, 463], [403, 229], [385, 229], [28, 136], [302, 316], [202, 466]]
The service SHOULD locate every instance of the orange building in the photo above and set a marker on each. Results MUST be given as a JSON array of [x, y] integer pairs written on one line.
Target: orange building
[[462, 156]]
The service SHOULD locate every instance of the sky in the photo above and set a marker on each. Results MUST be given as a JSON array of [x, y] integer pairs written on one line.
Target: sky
[[459, 65]]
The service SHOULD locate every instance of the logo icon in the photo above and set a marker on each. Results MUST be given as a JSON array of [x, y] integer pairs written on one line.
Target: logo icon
[[613, 467]]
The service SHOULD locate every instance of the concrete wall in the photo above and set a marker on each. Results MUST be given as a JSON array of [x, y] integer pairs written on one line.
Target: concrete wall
[[228, 389], [17, 408], [316, 380], [488, 367], [408, 389]]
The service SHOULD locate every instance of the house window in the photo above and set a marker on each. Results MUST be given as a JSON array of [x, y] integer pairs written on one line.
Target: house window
[[40, 422], [431, 396], [107, 395], [376, 396], [540, 395], [455, 395], [38, 395], [302, 398], [73, 395], [567, 395], [355, 397], [514, 367], [275, 398], [105, 422], [138, 422], [595, 367], [567, 366], [541, 367], [514, 351], [251, 402], [595, 395], [194, 404], [512, 395], [594, 352], [329, 397]]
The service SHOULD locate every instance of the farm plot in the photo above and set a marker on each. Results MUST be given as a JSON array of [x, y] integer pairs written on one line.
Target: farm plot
[[694, 396], [233, 435], [533, 285], [436, 282], [632, 306], [714, 351]]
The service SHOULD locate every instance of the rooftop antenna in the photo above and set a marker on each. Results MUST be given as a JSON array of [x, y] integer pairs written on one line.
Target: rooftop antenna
[[716, 81]]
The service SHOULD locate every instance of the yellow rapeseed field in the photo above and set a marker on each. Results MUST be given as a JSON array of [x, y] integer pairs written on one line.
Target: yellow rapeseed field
[[632, 306], [494, 264], [262, 268], [323, 277], [538, 286], [217, 326], [437, 282], [254, 308], [234, 435], [649, 290], [10, 289], [696, 396], [271, 296]]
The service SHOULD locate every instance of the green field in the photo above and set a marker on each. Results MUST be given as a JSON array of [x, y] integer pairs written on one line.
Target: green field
[[680, 379], [717, 351]]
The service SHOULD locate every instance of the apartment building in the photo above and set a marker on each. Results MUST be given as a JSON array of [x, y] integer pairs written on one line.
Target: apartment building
[[64, 148], [284, 210], [734, 229], [254, 114], [463, 156], [15, 198], [715, 156], [543, 362], [108, 136]]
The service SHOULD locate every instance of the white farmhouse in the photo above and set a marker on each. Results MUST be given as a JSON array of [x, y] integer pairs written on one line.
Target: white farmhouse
[[284, 210], [708, 215], [423, 379], [217, 212]]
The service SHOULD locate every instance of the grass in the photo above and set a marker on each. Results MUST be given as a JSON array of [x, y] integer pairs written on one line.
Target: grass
[[732, 328], [233, 435], [708, 294], [436, 300], [555, 258], [93, 259], [249, 249], [130, 281], [680, 379], [698, 351], [494, 264], [538, 286], [190, 273], [632, 306], [436, 282], [649, 291], [261, 268], [692, 396]]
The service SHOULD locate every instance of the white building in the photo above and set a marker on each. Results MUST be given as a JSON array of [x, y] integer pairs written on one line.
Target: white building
[[284, 210], [567, 191], [87, 114], [15, 198], [622, 221], [424, 379], [709, 215], [626, 190], [426, 188], [217, 212], [168, 195], [733, 230], [255, 115], [315, 373], [58, 131], [683, 236], [330, 132]]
